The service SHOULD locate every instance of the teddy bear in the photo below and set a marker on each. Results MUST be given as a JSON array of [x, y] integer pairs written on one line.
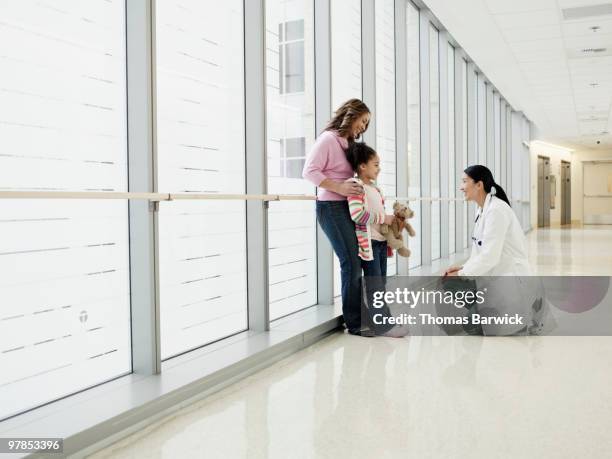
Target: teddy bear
[[393, 232]]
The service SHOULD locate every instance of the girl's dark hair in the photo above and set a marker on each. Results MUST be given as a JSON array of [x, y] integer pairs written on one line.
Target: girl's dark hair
[[359, 153], [345, 116], [482, 174]]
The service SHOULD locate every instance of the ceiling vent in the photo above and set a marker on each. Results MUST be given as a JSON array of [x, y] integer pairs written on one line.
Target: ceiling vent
[[594, 50], [588, 119], [582, 12]]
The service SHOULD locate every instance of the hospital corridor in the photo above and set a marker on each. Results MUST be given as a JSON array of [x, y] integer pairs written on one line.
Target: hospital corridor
[[305, 229]]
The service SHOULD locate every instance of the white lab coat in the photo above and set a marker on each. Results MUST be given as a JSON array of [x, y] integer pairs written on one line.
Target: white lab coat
[[499, 247]]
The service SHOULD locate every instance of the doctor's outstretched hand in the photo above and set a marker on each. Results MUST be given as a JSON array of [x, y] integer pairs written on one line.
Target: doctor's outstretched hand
[[452, 271]]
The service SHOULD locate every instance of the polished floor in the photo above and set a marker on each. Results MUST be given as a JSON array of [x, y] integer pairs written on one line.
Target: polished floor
[[421, 397], [576, 251]]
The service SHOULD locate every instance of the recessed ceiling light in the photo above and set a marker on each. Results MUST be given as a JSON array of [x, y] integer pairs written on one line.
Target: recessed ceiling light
[[595, 28], [591, 11]]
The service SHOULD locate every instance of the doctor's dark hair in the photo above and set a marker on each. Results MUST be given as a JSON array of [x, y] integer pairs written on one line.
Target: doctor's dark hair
[[482, 174], [359, 153]]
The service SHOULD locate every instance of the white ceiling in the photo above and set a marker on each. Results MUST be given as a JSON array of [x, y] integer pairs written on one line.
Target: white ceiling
[[535, 58]]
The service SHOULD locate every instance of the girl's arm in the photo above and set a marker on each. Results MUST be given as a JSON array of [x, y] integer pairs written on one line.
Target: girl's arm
[[360, 214]]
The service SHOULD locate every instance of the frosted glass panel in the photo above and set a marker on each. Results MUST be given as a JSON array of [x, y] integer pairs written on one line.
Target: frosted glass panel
[[464, 154], [293, 269], [345, 50], [434, 138], [482, 120], [290, 135], [451, 147], [200, 148], [385, 95], [384, 115], [64, 265], [346, 68], [497, 171], [414, 128]]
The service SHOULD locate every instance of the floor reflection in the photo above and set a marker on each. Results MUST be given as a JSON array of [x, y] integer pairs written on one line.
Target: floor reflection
[[430, 396]]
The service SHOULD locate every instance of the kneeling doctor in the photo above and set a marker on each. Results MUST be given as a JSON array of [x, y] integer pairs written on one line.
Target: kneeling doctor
[[499, 247], [499, 252]]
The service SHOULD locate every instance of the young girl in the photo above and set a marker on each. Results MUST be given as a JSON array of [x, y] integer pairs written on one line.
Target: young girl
[[368, 212]]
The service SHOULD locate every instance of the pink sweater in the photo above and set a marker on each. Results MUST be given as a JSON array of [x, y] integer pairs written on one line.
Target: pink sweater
[[328, 160]]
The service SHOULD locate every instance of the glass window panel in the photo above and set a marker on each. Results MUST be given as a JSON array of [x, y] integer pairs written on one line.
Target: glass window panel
[[294, 157], [497, 138], [434, 138], [385, 102], [509, 163], [200, 149], [64, 264], [294, 67], [464, 156], [346, 67], [474, 128], [296, 147], [502, 142], [294, 30], [482, 120], [516, 160], [294, 168], [451, 147], [345, 51], [290, 116], [473, 155], [291, 56], [414, 128], [490, 129]]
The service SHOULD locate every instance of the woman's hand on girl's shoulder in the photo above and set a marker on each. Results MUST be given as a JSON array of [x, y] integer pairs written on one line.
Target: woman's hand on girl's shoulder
[[350, 187]]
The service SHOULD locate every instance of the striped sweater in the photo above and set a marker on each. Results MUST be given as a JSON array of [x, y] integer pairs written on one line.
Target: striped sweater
[[363, 218]]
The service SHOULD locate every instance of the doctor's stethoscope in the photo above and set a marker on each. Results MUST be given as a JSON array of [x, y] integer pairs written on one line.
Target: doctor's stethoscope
[[476, 240]]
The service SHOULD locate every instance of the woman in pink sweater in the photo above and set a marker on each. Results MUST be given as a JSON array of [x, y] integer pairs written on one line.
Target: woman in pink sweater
[[327, 168]]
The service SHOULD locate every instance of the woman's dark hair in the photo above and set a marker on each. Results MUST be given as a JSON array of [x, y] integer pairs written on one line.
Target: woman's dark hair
[[482, 174], [345, 116], [359, 153]]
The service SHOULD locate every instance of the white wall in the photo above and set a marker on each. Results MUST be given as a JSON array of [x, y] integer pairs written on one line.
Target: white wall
[[577, 185]]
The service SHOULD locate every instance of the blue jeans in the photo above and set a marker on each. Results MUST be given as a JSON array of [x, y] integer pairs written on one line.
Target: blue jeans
[[335, 221], [378, 266], [375, 274]]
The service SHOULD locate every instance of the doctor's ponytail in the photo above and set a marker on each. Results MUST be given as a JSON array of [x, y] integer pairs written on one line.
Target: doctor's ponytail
[[482, 174]]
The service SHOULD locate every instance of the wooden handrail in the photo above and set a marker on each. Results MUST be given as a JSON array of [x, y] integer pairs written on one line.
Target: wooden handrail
[[155, 197]]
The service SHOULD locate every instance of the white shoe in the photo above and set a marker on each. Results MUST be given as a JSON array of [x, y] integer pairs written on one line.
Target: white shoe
[[399, 331]]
